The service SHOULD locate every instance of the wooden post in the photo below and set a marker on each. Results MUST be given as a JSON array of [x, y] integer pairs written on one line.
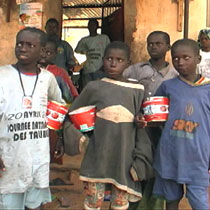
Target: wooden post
[[180, 15], [8, 9], [186, 18]]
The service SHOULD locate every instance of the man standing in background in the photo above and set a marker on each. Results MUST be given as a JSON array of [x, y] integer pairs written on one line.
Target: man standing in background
[[65, 54], [93, 47]]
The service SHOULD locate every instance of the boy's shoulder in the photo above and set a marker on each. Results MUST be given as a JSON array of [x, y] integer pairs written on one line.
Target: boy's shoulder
[[83, 39], [46, 74], [136, 69], [140, 65], [45, 71], [171, 81], [103, 36], [126, 83], [7, 70], [6, 67], [56, 70], [93, 85], [99, 84]]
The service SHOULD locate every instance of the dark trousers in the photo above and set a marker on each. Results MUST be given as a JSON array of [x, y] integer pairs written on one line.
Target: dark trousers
[[148, 201]]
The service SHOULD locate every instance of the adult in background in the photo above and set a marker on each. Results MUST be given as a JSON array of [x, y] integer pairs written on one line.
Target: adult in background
[[93, 47], [65, 54], [204, 43]]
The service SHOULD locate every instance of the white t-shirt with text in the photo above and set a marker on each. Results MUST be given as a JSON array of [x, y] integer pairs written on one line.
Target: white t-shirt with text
[[24, 136]]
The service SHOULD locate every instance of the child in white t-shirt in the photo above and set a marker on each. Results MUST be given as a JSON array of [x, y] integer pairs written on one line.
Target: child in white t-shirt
[[24, 137], [204, 42]]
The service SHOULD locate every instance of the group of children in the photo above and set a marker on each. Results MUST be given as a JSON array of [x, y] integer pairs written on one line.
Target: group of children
[[120, 151]]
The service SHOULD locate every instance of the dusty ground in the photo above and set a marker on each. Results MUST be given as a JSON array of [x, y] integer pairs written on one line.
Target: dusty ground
[[71, 196], [73, 192]]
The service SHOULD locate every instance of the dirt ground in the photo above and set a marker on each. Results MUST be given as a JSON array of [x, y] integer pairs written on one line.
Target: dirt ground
[[70, 196]]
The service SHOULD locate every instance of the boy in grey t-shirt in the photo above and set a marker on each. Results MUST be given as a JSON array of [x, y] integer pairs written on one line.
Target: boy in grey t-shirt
[[93, 47]]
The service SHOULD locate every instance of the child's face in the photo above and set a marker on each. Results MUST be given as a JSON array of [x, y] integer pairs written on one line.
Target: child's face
[[28, 47], [185, 60], [51, 28], [157, 46], [48, 55], [115, 62], [205, 41]]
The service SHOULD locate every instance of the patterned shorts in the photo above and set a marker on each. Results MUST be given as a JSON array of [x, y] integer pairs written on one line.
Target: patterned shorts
[[95, 196]]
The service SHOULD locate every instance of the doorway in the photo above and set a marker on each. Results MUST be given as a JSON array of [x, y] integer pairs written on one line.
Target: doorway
[[77, 13]]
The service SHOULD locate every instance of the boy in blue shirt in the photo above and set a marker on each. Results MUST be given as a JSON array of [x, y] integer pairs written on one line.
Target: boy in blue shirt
[[183, 154]]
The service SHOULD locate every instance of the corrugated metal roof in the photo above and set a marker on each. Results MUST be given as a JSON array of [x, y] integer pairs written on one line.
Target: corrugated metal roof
[[82, 2], [86, 9], [90, 2]]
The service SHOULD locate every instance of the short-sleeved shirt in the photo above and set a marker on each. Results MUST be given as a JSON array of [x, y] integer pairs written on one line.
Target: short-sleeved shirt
[[93, 47], [24, 138], [68, 90], [65, 55], [148, 76], [204, 65]]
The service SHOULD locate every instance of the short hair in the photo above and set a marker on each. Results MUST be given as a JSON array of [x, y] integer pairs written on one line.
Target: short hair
[[42, 34], [52, 39], [165, 36], [186, 42], [52, 20], [95, 21], [118, 45]]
